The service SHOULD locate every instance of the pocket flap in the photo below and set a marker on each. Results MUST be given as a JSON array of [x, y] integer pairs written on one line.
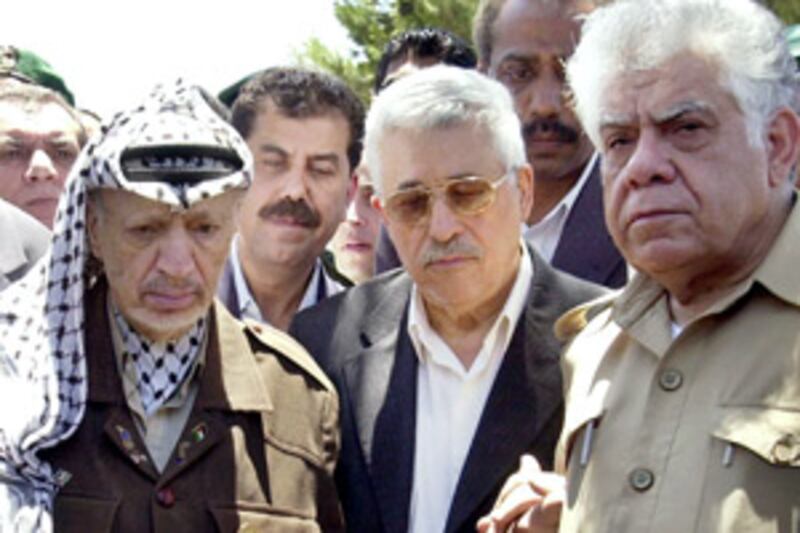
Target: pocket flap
[[772, 434], [255, 518], [590, 409], [80, 514]]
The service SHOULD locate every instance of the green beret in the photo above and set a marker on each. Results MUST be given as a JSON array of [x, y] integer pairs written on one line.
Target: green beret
[[229, 94], [26, 66]]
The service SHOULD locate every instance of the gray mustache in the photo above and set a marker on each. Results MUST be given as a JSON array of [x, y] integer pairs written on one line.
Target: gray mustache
[[436, 251]]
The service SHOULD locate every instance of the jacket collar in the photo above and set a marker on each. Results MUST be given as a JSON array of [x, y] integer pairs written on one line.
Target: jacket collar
[[230, 377]]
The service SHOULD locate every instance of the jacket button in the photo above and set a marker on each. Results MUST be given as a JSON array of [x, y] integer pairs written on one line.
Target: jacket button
[[641, 479], [165, 497], [670, 380], [784, 451]]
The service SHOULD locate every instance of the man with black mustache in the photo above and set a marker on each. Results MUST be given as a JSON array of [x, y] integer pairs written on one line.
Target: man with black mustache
[[304, 129], [523, 45]]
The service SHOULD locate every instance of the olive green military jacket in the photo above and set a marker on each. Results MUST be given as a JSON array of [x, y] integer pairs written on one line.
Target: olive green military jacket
[[698, 432], [257, 452]]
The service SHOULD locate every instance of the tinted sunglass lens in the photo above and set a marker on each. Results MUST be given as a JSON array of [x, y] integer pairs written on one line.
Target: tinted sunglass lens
[[470, 196], [409, 207]]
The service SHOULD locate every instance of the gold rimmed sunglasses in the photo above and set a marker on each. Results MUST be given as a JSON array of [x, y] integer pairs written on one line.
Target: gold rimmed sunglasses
[[470, 195]]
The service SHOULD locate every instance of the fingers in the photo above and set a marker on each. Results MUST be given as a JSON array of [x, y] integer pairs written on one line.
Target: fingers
[[530, 500]]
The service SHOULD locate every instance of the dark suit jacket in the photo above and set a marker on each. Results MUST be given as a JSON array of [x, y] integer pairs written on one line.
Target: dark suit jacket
[[258, 449], [23, 240], [585, 248], [226, 289], [360, 339]]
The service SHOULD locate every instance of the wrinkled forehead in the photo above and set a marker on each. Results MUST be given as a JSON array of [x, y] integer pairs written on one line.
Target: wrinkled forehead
[[129, 207], [17, 115], [682, 84]]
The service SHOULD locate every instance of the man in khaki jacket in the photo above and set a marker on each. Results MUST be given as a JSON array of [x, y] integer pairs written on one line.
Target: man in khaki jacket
[[133, 402], [682, 395]]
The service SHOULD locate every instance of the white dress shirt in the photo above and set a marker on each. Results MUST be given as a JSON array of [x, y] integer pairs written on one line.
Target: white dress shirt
[[248, 308], [450, 400], [545, 234]]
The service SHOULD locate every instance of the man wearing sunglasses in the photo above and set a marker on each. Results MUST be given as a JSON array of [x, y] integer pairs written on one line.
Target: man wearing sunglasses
[[446, 369]]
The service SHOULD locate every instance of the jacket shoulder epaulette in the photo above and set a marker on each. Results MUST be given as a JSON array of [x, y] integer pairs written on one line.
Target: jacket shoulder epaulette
[[573, 321], [286, 346]]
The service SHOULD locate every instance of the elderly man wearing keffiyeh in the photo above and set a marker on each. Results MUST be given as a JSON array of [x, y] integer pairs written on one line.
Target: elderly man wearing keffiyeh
[[132, 402]]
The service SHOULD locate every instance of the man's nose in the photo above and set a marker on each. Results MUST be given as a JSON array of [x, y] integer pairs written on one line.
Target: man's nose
[[546, 98], [649, 163], [40, 167], [176, 254], [444, 224], [296, 184]]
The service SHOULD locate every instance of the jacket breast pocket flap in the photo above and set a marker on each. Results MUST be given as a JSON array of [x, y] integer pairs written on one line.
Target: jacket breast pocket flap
[[586, 416], [252, 518], [77, 513], [773, 434]]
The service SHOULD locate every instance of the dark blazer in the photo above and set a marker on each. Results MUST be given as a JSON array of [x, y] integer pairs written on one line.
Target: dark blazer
[[23, 240], [226, 289], [360, 339], [258, 449], [585, 248]]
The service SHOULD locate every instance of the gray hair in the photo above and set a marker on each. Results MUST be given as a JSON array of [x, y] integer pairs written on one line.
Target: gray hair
[[442, 97], [740, 37]]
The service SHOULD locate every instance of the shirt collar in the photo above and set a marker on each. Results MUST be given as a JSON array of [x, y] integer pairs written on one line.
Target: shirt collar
[[429, 346], [644, 297], [247, 304], [564, 206]]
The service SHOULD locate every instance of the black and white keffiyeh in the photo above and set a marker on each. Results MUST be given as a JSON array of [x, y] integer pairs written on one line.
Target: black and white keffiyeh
[[43, 385], [160, 367]]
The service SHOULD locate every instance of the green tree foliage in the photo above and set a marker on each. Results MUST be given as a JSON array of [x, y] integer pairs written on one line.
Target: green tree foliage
[[787, 10], [371, 23]]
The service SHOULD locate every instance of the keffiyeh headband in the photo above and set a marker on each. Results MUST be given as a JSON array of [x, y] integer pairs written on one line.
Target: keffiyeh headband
[[175, 149]]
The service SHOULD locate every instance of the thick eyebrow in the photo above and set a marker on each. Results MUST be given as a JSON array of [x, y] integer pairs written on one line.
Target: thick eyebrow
[[620, 120], [410, 184], [680, 109], [616, 120], [326, 158], [273, 149], [520, 58]]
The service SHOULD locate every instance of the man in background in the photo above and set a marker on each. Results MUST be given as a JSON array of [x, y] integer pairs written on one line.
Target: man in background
[[40, 134], [304, 129], [523, 44]]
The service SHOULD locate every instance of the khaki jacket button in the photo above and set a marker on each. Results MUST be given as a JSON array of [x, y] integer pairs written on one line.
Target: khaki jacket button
[[784, 451], [641, 479], [166, 497], [670, 380]]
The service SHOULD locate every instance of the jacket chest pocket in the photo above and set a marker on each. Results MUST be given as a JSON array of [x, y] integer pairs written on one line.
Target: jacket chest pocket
[[752, 481], [575, 449], [250, 518], [76, 514]]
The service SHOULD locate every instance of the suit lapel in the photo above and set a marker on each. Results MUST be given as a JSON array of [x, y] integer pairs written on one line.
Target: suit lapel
[[380, 385], [585, 248], [524, 397]]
